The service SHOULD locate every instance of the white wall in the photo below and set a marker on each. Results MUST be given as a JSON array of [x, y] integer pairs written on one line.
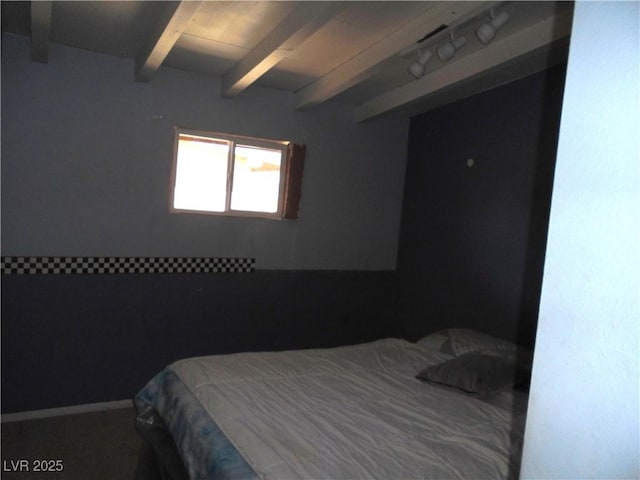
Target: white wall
[[86, 162], [583, 409]]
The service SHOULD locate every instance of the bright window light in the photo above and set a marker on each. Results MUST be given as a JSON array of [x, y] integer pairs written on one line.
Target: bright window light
[[256, 179], [201, 174], [229, 175]]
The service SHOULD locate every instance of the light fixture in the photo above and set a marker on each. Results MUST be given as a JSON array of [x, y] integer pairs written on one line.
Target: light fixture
[[417, 68], [449, 49], [487, 31]]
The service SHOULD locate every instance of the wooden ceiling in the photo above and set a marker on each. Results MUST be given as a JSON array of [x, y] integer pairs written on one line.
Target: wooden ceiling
[[354, 52]]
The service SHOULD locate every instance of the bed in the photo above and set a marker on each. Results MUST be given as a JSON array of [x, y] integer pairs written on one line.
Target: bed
[[451, 405]]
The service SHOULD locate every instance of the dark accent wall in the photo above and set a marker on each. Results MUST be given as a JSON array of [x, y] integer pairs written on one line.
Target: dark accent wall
[[76, 339], [472, 238]]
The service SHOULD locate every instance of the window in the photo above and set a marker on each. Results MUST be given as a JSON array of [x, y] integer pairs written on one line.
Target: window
[[216, 173]]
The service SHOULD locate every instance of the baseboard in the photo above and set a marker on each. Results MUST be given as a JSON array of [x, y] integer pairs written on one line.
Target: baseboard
[[72, 410]]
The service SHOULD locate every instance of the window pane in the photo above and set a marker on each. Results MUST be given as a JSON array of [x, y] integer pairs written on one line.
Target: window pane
[[256, 179], [201, 174]]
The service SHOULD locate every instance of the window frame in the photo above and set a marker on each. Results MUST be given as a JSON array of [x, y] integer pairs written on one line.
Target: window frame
[[282, 145]]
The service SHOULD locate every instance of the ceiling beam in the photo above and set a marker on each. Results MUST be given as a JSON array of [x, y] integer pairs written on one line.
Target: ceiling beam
[[40, 28], [300, 24], [541, 59], [498, 52], [167, 33], [363, 65]]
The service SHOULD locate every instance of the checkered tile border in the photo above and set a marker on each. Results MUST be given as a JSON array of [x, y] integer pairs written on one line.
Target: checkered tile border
[[63, 265]]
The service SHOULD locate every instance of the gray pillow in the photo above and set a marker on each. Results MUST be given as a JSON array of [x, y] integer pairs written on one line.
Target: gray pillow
[[474, 372], [458, 341]]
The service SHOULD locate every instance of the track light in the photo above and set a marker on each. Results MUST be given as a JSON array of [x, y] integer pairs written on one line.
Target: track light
[[487, 31], [417, 68], [449, 49]]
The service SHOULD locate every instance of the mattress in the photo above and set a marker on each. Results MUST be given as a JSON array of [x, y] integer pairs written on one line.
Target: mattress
[[348, 412]]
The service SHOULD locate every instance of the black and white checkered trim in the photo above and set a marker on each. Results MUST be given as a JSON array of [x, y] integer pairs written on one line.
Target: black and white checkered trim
[[62, 265]]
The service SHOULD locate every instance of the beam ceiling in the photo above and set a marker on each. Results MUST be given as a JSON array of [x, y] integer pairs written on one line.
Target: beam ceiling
[[354, 52], [168, 31], [297, 27], [499, 52]]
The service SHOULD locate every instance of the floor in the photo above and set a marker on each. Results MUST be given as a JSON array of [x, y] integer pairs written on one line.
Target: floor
[[89, 446]]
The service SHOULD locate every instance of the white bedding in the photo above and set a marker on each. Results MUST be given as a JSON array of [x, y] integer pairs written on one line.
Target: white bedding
[[355, 412]]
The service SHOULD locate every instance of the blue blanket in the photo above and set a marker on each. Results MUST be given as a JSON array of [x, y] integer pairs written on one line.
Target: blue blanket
[[205, 450]]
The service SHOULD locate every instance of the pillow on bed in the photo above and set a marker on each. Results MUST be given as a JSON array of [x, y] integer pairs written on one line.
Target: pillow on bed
[[475, 373], [439, 341], [458, 341]]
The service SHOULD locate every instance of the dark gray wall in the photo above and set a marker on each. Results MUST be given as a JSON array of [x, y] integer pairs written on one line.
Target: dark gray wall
[[472, 239], [76, 339]]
